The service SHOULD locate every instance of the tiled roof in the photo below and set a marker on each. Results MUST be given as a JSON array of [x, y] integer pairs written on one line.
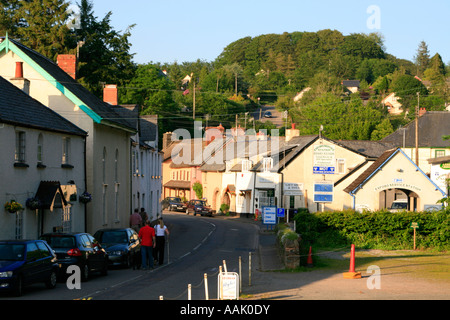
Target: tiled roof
[[366, 174], [18, 108], [433, 125]]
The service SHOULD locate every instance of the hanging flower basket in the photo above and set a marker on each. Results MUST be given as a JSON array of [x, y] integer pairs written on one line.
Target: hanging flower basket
[[33, 203], [13, 206], [85, 197]]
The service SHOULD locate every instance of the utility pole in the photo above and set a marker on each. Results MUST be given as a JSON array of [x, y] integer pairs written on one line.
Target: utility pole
[[193, 111], [417, 129]]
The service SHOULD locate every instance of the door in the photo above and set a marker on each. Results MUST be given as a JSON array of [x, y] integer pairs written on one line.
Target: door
[[33, 264]]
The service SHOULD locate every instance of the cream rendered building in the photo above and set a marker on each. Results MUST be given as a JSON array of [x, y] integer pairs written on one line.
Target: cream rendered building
[[392, 172], [108, 142]]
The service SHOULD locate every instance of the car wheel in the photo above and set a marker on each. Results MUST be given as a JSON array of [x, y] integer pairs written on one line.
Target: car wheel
[[51, 281], [18, 289], [84, 272]]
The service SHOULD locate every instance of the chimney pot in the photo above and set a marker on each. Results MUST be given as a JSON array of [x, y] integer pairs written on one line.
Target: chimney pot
[[19, 69]]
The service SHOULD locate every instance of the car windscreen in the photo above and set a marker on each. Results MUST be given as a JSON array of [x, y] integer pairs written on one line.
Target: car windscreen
[[112, 237], [12, 252], [60, 241], [399, 205]]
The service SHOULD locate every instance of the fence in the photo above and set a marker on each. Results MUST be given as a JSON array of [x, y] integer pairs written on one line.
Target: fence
[[220, 274]]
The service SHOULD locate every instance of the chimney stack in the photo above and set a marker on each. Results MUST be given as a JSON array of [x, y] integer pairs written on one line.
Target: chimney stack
[[291, 133], [19, 81], [110, 94], [68, 63]]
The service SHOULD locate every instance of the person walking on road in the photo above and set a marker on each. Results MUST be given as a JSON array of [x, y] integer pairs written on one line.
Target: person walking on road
[[147, 236], [135, 220], [144, 216], [161, 232]]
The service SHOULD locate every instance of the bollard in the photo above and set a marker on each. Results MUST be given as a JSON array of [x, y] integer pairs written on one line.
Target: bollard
[[240, 274], [206, 286], [351, 274], [250, 269]]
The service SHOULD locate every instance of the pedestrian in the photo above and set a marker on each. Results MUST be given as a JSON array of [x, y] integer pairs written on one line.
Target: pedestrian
[[135, 220], [144, 216], [147, 236], [161, 231]]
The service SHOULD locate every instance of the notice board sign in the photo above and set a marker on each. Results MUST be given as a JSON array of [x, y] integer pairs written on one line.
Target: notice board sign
[[228, 284], [323, 191], [269, 215]]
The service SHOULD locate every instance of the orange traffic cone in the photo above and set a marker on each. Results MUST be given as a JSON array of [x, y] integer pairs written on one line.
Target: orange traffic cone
[[351, 274], [309, 261]]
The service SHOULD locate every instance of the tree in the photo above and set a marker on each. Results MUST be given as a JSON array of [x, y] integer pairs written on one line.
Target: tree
[[152, 90], [383, 129], [406, 87], [9, 20], [105, 56], [422, 58], [40, 25]]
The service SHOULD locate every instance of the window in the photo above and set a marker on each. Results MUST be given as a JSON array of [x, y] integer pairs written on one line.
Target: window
[[32, 251], [20, 147], [439, 153], [267, 164], [65, 150], [40, 148], [340, 164], [246, 165]]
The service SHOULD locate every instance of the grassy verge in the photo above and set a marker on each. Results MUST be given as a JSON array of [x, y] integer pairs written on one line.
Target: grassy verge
[[418, 264]]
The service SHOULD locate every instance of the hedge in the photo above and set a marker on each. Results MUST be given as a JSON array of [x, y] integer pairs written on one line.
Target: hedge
[[375, 229]]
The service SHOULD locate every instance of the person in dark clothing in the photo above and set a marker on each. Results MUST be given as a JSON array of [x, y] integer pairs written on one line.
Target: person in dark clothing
[[161, 231]]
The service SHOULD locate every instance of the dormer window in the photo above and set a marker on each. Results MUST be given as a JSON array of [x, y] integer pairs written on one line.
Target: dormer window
[[246, 165], [267, 164]]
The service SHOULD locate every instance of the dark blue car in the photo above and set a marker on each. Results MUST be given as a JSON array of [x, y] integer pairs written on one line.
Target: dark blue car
[[24, 262]]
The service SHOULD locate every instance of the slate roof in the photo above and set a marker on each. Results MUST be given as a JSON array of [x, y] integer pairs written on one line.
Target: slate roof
[[432, 126], [369, 171], [100, 107], [18, 108]]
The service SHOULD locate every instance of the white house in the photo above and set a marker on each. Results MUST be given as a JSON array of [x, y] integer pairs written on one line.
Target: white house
[[42, 158], [108, 143], [146, 161]]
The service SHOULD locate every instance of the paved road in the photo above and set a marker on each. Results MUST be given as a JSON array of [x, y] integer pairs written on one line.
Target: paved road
[[277, 116], [197, 246]]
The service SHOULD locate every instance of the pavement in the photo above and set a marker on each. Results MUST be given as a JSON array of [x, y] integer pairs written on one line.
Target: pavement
[[271, 281]]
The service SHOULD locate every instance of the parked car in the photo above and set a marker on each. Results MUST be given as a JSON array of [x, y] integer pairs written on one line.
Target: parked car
[[23, 262], [399, 205], [267, 114], [80, 249], [122, 245], [199, 207], [173, 204]]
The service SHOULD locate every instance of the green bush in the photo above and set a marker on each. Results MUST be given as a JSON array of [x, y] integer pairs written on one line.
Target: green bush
[[378, 229]]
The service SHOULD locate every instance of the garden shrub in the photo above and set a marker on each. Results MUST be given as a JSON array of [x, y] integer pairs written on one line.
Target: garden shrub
[[375, 229]]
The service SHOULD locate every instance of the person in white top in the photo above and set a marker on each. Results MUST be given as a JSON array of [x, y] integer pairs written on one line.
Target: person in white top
[[161, 231]]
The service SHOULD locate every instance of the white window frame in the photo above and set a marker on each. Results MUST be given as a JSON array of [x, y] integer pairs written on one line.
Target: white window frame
[[20, 147]]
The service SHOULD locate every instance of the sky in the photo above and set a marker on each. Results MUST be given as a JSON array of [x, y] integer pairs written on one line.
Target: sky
[[168, 31]]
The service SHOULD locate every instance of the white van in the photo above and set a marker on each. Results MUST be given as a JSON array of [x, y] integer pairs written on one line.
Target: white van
[[399, 205]]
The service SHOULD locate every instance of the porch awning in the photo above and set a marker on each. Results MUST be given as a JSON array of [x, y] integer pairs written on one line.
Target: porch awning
[[177, 184], [51, 195]]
